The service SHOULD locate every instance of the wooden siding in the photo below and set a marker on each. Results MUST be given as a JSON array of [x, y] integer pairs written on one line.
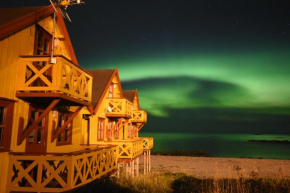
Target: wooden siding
[[18, 44], [61, 48], [4, 161]]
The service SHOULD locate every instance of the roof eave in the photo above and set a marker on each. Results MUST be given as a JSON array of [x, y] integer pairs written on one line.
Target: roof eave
[[25, 21]]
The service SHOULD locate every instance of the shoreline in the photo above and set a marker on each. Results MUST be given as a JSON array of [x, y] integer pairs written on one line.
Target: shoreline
[[214, 167]]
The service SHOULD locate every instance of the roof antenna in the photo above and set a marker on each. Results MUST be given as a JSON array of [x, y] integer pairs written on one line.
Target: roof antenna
[[61, 5]]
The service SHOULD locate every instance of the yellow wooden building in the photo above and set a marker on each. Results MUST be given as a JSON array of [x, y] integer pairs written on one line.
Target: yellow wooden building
[[42, 97], [115, 119]]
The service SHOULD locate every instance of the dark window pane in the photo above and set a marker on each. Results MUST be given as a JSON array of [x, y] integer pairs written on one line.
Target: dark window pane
[[2, 115], [39, 135], [33, 115], [31, 137], [39, 40], [66, 134], [45, 49], [30, 122], [59, 138], [41, 122], [60, 121], [1, 137], [66, 130]]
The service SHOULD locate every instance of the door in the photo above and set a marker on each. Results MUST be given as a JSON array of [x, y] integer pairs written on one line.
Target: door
[[36, 142]]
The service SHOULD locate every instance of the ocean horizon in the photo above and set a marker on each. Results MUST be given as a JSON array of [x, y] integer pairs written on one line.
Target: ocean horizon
[[233, 145]]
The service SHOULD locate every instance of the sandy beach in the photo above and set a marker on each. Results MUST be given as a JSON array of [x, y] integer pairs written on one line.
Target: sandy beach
[[210, 167]]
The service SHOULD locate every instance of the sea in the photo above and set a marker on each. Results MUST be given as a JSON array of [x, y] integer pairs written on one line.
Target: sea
[[222, 144]]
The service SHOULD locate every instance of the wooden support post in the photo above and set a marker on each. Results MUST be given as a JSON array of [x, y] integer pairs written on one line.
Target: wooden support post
[[137, 169], [149, 160], [118, 172], [60, 130], [144, 162], [146, 157], [132, 168], [26, 133], [126, 165]]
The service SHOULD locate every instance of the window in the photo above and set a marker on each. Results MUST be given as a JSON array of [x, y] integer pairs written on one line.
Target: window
[[109, 132], [42, 41], [116, 136], [129, 130], [101, 129], [6, 119], [36, 136], [64, 137], [134, 130], [111, 90]]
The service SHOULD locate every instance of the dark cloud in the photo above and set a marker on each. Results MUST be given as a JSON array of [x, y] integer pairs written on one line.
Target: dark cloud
[[220, 120], [207, 92]]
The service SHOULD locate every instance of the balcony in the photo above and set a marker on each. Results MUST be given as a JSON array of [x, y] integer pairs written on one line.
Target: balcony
[[129, 149], [39, 81], [147, 143], [118, 108], [139, 116], [52, 173]]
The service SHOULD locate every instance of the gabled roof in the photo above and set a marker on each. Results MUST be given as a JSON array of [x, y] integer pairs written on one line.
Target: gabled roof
[[13, 20], [129, 94], [101, 82]]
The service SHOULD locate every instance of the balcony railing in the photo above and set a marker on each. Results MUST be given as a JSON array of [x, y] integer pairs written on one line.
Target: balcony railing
[[59, 173], [147, 142], [118, 108], [129, 149], [139, 116], [36, 74]]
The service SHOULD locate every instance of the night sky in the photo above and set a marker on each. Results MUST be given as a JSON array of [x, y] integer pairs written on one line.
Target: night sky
[[199, 65]]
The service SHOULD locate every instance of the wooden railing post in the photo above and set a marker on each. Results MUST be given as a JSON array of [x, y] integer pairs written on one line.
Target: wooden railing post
[[70, 175]]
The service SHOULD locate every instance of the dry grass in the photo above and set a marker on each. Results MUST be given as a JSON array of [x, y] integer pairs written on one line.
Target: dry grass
[[238, 182]]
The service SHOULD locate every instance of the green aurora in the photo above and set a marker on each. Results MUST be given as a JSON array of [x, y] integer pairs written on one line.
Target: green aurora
[[255, 80]]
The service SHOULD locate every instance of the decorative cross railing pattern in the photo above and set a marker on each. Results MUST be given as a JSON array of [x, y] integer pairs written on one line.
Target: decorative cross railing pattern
[[59, 173], [118, 108], [37, 74], [147, 142], [139, 116], [129, 149]]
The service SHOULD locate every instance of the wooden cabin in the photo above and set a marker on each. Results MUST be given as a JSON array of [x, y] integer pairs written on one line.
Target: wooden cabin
[[42, 96], [116, 120]]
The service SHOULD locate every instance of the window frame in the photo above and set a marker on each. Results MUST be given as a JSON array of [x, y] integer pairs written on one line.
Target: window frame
[[129, 130], [116, 132], [45, 36], [101, 131], [34, 134], [67, 132], [8, 123], [111, 91]]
